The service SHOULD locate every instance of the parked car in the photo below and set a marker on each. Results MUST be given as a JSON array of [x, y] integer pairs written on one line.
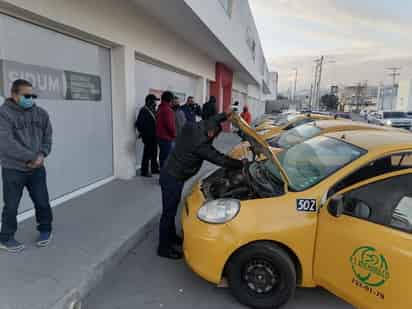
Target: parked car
[[287, 139], [334, 211], [393, 119], [409, 114], [271, 128]]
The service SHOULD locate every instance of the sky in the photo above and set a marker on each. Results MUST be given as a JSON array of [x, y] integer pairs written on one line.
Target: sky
[[360, 39]]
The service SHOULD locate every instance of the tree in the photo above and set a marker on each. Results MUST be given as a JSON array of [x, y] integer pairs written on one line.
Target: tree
[[330, 102]]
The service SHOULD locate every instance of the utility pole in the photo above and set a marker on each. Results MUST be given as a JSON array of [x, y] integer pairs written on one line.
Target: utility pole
[[319, 80], [294, 90], [394, 74]]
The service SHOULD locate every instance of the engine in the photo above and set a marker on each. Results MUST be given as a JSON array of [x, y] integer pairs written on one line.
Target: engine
[[227, 183]]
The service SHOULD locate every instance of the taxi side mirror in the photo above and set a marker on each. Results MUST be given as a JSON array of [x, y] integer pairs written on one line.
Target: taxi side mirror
[[336, 206]]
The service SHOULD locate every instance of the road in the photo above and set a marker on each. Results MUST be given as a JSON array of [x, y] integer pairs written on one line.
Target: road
[[145, 281]]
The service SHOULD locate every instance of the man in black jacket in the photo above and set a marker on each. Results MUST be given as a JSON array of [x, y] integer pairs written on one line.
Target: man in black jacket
[[209, 108], [146, 126], [193, 146]]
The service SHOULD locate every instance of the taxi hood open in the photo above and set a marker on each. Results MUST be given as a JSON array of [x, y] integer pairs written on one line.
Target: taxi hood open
[[259, 145]]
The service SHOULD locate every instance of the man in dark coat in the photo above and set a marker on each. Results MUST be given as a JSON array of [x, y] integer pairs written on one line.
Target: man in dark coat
[[191, 110], [209, 108], [146, 126], [193, 146]]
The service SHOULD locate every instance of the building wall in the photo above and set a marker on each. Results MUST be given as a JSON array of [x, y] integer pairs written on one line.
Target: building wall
[[404, 101], [234, 30], [129, 32], [125, 25]]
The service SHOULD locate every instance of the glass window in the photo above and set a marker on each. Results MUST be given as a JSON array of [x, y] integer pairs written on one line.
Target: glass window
[[310, 162], [386, 202], [402, 215], [294, 136], [375, 168], [394, 115], [299, 123]]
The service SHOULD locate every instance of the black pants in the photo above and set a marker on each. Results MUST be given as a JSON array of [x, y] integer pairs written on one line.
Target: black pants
[[149, 157], [171, 195], [14, 183]]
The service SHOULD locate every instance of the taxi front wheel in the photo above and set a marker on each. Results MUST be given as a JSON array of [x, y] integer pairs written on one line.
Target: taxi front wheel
[[262, 276]]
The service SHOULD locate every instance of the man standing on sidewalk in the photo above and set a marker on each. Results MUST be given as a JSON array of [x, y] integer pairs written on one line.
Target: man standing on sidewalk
[[209, 108], [26, 140], [146, 126], [193, 146], [180, 117], [165, 126], [191, 110]]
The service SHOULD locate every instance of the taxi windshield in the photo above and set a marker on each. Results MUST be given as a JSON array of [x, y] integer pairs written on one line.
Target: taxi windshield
[[284, 120], [310, 162], [294, 136]]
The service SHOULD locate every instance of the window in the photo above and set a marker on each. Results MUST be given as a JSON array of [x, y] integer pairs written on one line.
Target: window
[[394, 115], [402, 215], [295, 136], [227, 5], [298, 123], [310, 162], [387, 202], [375, 168]]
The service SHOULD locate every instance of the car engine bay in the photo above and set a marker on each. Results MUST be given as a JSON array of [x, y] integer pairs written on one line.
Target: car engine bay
[[249, 183]]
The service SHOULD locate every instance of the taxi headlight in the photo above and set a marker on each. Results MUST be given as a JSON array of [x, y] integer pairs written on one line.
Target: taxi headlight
[[219, 211], [388, 122]]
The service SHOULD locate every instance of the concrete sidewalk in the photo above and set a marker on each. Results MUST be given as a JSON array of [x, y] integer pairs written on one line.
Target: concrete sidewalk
[[92, 234]]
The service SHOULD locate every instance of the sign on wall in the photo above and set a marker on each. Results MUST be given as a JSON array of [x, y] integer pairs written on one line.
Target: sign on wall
[[51, 84]]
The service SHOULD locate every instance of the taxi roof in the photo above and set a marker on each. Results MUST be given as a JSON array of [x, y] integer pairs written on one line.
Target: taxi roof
[[329, 124], [374, 140]]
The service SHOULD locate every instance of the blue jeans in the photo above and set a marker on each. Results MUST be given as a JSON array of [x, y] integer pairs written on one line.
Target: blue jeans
[[171, 195], [14, 183], [165, 147]]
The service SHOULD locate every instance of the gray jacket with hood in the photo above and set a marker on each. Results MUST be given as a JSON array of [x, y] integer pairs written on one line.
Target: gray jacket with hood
[[24, 134]]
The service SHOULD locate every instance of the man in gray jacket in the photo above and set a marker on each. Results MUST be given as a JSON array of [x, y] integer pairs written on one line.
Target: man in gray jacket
[[26, 140]]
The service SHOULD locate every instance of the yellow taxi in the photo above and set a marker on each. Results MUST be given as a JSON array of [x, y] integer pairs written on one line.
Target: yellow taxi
[[304, 132], [274, 127], [334, 211]]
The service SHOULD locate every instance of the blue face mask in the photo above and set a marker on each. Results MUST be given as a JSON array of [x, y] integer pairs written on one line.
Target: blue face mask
[[25, 103]]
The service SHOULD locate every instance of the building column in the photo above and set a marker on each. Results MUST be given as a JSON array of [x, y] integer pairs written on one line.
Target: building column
[[201, 91], [222, 89], [124, 112]]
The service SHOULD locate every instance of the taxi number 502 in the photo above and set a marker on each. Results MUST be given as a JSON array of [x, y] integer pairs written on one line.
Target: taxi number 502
[[306, 205]]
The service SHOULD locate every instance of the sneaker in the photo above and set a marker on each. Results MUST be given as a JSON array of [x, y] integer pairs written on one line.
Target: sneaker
[[44, 239], [11, 245]]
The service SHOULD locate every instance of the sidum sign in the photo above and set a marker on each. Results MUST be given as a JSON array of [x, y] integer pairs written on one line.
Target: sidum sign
[[51, 84]]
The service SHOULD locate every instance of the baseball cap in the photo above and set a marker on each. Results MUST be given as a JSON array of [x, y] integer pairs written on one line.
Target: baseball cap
[[151, 98]]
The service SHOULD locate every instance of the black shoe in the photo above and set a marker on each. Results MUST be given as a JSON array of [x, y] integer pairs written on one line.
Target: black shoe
[[155, 171], [170, 254], [178, 241], [146, 175]]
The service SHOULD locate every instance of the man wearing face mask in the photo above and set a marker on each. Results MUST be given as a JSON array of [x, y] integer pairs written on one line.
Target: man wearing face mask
[[26, 140]]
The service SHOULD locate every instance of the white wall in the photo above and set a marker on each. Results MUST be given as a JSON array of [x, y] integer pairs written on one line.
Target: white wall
[[404, 102], [231, 31], [122, 23], [127, 29]]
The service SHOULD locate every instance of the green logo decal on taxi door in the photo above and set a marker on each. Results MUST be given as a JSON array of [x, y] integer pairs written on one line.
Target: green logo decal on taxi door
[[369, 266]]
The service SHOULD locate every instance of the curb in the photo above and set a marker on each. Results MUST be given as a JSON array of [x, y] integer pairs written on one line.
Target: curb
[[73, 299]]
